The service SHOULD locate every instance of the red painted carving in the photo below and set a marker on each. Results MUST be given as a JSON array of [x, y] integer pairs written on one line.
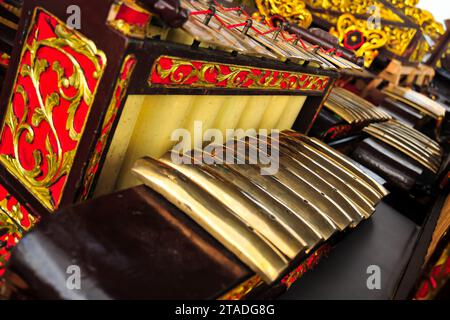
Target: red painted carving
[[108, 122], [14, 221], [179, 72], [56, 82]]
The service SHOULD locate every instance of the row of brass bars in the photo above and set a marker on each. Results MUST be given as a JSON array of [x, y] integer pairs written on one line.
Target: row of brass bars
[[352, 108], [409, 141], [267, 220], [210, 25]]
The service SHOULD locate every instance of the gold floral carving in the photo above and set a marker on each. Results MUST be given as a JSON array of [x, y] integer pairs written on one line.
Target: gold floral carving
[[10, 235], [359, 7], [399, 38], [16, 213], [243, 289], [58, 161], [202, 74], [423, 18], [374, 38], [111, 113], [292, 10]]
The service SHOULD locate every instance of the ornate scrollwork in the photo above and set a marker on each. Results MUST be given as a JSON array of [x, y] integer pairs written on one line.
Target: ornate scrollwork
[[55, 87], [10, 234], [294, 11], [399, 38], [354, 34], [239, 292], [359, 7], [306, 266], [178, 72], [108, 122], [423, 18]]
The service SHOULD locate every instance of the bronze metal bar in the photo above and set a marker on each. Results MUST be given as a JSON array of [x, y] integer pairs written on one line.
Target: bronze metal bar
[[347, 178], [209, 213], [350, 206], [306, 190], [417, 134], [299, 166], [344, 113], [381, 135], [345, 186], [339, 160], [362, 103], [423, 147], [416, 100], [364, 113], [320, 223], [340, 63], [298, 228], [261, 220]]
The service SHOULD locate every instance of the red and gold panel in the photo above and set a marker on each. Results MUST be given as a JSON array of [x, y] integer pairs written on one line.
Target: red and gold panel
[[55, 86], [110, 117], [307, 265], [128, 18], [4, 59], [14, 221], [10, 234], [180, 72], [436, 279], [11, 207], [242, 290]]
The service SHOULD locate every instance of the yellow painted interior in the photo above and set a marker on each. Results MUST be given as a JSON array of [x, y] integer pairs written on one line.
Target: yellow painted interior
[[147, 123]]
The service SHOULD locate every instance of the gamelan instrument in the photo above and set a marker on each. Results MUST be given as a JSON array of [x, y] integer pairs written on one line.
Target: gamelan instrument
[[89, 115], [416, 100], [409, 141], [257, 225], [345, 113], [354, 109], [395, 150]]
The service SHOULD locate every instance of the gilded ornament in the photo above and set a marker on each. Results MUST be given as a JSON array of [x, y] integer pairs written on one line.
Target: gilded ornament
[[202, 74], [243, 289], [370, 39], [58, 162], [294, 11]]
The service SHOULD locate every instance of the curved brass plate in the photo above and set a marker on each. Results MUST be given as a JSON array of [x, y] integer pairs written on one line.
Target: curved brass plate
[[416, 100], [209, 213], [355, 212], [406, 149], [337, 173], [432, 145], [339, 160], [407, 138], [293, 222], [298, 166], [262, 221], [305, 189], [320, 222]]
